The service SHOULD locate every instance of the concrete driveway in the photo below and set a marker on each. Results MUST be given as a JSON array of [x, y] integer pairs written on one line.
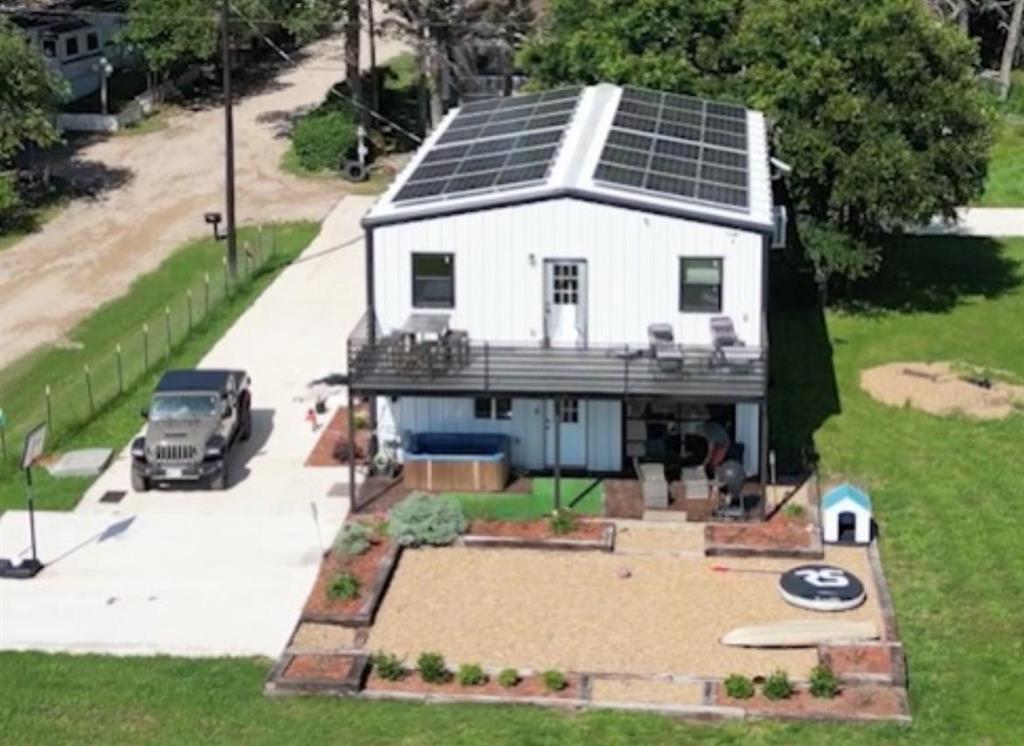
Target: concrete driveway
[[198, 572]]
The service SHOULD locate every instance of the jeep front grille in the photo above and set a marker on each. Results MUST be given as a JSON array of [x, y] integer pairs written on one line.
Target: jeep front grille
[[175, 452]]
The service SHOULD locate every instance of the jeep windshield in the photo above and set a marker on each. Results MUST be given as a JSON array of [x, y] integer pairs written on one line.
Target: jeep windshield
[[167, 407]]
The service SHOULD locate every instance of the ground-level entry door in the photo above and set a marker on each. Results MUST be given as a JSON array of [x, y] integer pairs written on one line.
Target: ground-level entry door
[[572, 430], [565, 307]]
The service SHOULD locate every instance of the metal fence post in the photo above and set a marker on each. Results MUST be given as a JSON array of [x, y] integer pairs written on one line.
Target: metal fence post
[[145, 348], [88, 388], [49, 408], [188, 298], [120, 371], [167, 325]]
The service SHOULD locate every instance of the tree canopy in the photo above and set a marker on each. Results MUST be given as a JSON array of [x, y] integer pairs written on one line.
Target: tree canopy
[[666, 44], [874, 105], [29, 94]]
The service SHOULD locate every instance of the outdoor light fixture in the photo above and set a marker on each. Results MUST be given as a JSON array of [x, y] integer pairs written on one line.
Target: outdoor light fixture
[[214, 219]]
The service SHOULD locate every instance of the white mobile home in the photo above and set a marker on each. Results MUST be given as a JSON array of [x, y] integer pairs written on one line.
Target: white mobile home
[[589, 262]]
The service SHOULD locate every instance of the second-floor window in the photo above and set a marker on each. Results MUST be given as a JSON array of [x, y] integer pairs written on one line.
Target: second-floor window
[[433, 280], [487, 408], [92, 41], [50, 47], [700, 285], [71, 47]]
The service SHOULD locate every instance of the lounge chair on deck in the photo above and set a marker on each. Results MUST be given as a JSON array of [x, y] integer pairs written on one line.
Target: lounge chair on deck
[[664, 349]]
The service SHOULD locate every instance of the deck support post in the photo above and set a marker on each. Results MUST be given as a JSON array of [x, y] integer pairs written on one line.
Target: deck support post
[[352, 490], [763, 456], [556, 407]]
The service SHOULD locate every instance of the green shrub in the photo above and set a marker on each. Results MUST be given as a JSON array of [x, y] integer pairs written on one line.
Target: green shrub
[[738, 686], [353, 539], [470, 674], [432, 668], [422, 519], [824, 682], [389, 666], [555, 681], [562, 522], [322, 139], [508, 677], [777, 686], [345, 586], [793, 510]]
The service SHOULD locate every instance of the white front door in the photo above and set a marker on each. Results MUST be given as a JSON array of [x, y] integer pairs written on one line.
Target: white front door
[[565, 309], [572, 430]]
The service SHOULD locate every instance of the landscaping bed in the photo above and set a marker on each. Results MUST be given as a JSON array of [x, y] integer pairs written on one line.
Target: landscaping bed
[[782, 536], [529, 687], [584, 535], [372, 570], [318, 674], [864, 662], [852, 703]]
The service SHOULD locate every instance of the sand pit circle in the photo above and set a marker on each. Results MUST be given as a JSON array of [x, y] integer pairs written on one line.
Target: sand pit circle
[[942, 388]]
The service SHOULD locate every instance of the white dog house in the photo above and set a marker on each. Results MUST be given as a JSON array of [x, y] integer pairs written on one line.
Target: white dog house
[[846, 515]]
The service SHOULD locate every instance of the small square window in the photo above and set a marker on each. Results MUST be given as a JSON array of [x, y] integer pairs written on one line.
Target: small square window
[[433, 280], [486, 408], [482, 408], [49, 47], [71, 46], [568, 410], [700, 285], [92, 41]]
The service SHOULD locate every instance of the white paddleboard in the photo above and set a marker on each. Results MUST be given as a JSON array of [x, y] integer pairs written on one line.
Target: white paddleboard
[[802, 633]]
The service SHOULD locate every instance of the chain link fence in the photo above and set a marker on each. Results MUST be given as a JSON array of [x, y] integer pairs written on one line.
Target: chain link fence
[[68, 404]]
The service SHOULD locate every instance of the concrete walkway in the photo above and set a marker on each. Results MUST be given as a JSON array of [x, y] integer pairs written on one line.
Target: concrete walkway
[[978, 221], [198, 572]]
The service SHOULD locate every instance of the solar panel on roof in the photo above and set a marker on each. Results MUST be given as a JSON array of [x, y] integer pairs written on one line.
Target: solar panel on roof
[[678, 146], [494, 144]]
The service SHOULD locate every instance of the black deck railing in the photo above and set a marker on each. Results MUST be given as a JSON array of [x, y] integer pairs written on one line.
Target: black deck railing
[[396, 364]]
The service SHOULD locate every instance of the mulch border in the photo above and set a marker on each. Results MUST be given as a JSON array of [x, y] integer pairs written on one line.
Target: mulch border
[[368, 611], [482, 541], [276, 684]]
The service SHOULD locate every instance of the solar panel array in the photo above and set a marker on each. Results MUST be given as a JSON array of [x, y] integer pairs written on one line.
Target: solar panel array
[[494, 144], [678, 146]]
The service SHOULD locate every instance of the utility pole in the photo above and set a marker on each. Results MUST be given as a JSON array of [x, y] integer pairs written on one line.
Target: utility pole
[[229, 138], [372, 36]]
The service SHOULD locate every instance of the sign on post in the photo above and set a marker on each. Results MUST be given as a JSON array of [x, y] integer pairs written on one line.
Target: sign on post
[[33, 448]]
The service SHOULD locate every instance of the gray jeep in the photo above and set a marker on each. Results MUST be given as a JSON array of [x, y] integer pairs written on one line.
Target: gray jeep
[[193, 420]]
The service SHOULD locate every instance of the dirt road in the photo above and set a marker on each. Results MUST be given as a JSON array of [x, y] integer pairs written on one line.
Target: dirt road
[[92, 251]]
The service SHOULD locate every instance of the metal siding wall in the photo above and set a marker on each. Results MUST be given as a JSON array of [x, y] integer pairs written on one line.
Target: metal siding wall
[[633, 268], [604, 435], [748, 432]]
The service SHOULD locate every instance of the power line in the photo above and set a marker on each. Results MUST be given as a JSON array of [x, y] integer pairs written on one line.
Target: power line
[[332, 91]]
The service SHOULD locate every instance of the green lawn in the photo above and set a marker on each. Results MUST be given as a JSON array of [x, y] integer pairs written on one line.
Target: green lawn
[[29, 220], [585, 496], [946, 492], [1004, 186], [21, 384]]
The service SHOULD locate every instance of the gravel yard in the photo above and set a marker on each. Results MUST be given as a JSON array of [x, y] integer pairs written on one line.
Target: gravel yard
[[539, 610]]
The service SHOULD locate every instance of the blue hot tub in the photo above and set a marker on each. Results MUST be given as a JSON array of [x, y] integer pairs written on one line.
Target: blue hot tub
[[472, 462]]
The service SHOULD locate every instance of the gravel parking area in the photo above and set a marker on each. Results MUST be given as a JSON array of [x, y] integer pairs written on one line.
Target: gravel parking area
[[535, 609]]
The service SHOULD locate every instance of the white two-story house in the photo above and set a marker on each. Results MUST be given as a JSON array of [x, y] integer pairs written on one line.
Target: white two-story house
[[582, 270]]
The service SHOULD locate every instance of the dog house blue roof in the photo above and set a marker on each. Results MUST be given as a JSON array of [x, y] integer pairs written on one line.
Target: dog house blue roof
[[846, 491]]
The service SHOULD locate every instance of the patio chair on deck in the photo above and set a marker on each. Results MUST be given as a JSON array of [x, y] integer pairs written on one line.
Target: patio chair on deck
[[723, 333], [664, 349]]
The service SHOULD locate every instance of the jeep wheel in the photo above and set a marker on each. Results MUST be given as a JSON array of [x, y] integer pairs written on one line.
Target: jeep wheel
[[139, 482], [246, 425], [220, 481]]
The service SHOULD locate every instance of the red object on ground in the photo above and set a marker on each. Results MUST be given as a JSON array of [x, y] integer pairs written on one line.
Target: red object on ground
[[311, 419]]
